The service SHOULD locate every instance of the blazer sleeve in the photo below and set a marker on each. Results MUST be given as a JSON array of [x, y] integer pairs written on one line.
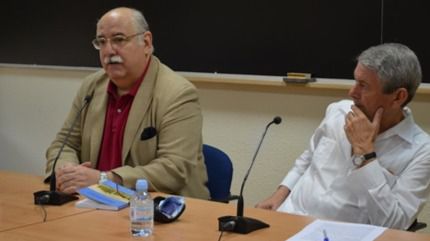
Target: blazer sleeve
[[72, 149]]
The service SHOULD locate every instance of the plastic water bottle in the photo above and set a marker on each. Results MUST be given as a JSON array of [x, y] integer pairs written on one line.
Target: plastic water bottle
[[142, 211]]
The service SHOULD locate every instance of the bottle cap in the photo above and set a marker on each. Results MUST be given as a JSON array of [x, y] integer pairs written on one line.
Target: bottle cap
[[141, 185]]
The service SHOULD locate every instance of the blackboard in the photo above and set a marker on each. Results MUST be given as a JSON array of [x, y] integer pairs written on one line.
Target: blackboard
[[226, 36]]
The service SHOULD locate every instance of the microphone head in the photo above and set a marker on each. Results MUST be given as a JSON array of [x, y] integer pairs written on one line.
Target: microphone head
[[277, 120]]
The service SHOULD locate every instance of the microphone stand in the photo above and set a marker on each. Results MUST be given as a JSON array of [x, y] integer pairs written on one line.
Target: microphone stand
[[239, 223], [54, 197]]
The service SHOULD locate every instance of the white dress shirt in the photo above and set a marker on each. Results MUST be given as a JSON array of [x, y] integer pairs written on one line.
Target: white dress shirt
[[389, 191]]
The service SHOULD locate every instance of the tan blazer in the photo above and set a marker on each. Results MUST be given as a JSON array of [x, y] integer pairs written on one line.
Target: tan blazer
[[162, 139]]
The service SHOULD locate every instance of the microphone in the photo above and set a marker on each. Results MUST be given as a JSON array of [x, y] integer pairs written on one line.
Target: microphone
[[54, 197], [239, 223]]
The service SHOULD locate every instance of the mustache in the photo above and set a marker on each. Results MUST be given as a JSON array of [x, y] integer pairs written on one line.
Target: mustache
[[116, 59]]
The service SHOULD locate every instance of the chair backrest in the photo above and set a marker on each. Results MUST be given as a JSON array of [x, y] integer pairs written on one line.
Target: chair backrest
[[220, 173]]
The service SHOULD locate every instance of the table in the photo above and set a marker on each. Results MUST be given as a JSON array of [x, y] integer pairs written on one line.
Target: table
[[17, 207], [198, 222]]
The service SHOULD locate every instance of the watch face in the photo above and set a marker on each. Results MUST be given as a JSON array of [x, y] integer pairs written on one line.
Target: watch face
[[103, 177], [357, 160]]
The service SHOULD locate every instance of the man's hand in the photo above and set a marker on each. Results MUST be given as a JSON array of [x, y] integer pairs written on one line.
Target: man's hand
[[274, 201], [360, 132], [71, 177]]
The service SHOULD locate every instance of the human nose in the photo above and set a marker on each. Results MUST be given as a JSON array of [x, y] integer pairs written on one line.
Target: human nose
[[108, 48], [353, 92]]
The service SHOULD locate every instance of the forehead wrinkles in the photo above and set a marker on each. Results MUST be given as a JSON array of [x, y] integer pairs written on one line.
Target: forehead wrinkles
[[114, 24], [364, 74]]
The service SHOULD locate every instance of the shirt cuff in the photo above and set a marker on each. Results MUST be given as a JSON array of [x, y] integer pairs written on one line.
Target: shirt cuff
[[291, 179]]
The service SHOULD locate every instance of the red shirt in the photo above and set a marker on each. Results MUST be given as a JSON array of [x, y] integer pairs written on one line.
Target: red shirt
[[117, 112]]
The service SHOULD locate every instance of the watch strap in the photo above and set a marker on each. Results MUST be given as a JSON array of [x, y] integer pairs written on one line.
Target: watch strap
[[369, 156]]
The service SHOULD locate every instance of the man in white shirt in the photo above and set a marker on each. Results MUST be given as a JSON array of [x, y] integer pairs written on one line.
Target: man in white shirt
[[367, 162]]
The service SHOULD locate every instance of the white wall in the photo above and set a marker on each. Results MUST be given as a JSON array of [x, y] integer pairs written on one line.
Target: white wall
[[34, 104]]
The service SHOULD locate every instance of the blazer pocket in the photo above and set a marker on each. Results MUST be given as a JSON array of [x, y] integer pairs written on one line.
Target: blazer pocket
[[148, 133]]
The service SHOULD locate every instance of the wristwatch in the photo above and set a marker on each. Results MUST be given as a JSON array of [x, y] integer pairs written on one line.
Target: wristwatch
[[358, 160], [103, 177]]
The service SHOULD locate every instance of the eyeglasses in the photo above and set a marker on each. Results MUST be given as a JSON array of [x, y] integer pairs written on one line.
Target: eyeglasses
[[117, 40]]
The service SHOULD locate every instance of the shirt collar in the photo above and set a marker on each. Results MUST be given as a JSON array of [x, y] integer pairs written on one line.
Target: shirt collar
[[403, 128]]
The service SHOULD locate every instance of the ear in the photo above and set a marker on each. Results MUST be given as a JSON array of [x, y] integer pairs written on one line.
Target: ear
[[399, 97], [147, 39]]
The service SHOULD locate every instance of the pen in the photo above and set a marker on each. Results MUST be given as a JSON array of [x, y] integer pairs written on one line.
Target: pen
[[325, 235]]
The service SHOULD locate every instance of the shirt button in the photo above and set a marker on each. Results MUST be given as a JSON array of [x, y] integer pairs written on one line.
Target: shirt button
[[119, 110]]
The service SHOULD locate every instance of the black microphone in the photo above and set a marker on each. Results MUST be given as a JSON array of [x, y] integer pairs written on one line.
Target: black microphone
[[54, 197], [243, 224]]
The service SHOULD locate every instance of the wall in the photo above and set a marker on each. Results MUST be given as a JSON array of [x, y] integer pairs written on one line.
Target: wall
[[224, 36], [34, 103]]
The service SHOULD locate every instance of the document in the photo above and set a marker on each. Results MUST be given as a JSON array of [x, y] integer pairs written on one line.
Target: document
[[337, 231], [88, 203], [106, 194]]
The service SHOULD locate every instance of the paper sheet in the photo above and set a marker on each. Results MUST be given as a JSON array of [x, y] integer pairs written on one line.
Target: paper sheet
[[88, 203], [338, 231]]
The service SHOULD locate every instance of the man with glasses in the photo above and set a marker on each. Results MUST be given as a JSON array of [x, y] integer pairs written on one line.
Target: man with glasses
[[142, 120], [368, 161]]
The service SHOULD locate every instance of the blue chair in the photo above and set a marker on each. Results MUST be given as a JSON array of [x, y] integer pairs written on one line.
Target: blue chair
[[220, 173]]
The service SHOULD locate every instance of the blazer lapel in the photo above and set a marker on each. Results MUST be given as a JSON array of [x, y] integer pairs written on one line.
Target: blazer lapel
[[140, 107], [96, 116]]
